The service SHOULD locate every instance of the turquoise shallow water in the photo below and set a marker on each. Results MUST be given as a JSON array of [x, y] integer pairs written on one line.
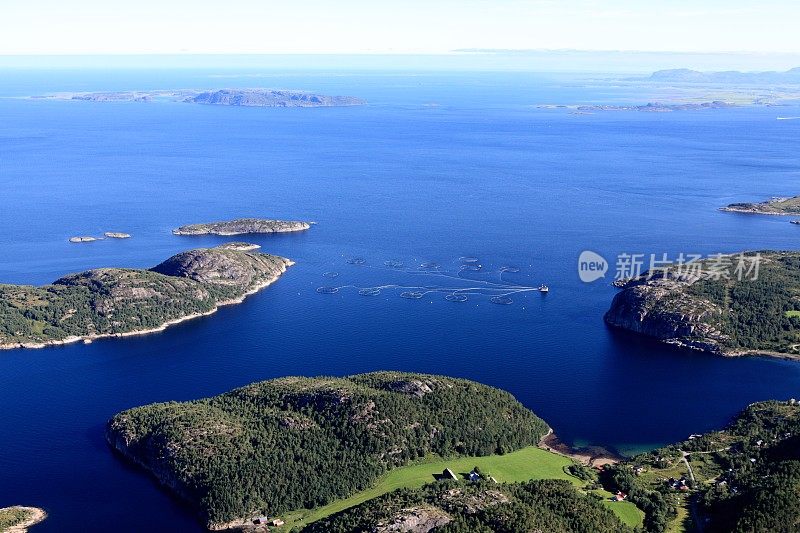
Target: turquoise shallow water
[[437, 167]]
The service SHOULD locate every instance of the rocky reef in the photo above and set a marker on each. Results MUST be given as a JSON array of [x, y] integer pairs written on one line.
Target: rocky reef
[[242, 226], [240, 246]]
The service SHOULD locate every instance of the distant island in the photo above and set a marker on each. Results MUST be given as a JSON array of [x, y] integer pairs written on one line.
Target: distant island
[[686, 75], [109, 302], [656, 107], [773, 206], [719, 314], [18, 519], [742, 478], [228, 97], [242, 226], [297, 443]]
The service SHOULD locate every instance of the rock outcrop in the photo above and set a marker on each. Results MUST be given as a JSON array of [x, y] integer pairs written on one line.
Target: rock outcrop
[[663, 309]]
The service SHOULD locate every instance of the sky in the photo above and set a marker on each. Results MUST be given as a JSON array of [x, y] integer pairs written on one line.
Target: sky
[[394, 26]]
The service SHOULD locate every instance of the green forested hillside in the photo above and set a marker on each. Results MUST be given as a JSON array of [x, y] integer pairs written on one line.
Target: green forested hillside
[[298, 442], [745, 478], [484, 507]]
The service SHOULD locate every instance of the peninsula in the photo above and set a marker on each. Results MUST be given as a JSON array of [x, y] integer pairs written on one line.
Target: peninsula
[[242, 226], [256, 97], [116, 302], [778, 205], [298, 443], [707, 306]]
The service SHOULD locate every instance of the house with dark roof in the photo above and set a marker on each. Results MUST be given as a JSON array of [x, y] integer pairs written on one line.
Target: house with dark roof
[[448, 474]]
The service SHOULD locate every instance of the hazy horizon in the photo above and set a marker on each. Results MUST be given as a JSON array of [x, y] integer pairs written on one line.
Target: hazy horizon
[[543, 61]]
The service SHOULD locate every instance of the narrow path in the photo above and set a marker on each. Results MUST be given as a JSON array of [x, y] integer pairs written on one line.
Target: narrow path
[[684, 456]]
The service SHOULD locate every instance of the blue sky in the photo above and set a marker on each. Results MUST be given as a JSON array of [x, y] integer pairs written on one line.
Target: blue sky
[[385, 26]]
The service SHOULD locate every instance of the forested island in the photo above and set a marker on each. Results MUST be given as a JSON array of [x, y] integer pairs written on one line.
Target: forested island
[[242, 226], [294, 443], [745, 478], [256, 97], [109, 302], [773, 206], [708, 307]]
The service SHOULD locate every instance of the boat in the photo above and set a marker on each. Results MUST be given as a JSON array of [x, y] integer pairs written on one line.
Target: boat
[[544, 288]]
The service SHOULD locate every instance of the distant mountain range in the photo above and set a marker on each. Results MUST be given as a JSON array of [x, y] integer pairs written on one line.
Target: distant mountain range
[[732, 76]]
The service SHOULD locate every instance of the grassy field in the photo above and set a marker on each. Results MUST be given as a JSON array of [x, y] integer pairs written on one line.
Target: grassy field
[[523, 465], [790, 314]]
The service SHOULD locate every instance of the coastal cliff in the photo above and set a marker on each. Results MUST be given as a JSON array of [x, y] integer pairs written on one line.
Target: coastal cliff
[[110, 302], [664, 309], [719, 314]]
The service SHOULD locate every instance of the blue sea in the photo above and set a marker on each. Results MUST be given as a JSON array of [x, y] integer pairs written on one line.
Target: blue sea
[[438, 167]]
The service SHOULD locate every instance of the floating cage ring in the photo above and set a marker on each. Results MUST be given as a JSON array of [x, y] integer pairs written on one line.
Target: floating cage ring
[[456, 297], [356, 261], [471, 268], [369, 292], [412, 295], [393, 264], [331, 274], [327, 290], [468, 259], [429, 265], [501, 300], [510, 269]]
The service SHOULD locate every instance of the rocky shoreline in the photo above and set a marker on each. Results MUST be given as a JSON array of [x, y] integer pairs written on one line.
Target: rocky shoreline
[[593, 456]]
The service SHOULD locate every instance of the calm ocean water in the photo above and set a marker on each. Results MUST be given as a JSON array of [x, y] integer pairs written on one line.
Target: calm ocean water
[[436, 167]]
